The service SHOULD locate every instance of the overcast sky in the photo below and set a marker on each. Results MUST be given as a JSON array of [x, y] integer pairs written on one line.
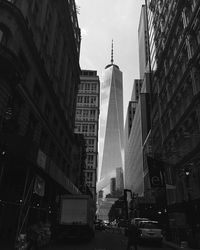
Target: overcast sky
[[100, 22]]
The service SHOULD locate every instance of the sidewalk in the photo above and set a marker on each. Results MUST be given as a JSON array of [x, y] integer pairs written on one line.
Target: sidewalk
[[175, 246]]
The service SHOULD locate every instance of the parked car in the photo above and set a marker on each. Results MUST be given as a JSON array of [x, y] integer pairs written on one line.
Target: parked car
[[99, 225], [137, 220], [150, 231], [123, 223]]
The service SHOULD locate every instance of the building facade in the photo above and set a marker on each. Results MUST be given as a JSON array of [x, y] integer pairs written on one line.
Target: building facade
[[112, 186], [39, 77], [174, 37], [143, 43], [134, 155], [87, 123], [129, 118], [119, 180], [137, 86]]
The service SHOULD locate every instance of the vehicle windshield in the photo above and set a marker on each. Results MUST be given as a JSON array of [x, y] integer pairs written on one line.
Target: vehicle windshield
[[150, 225]]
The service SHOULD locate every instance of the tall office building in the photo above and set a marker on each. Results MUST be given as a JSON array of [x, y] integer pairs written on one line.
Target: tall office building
[[112, 186], [119, 180], [137, 120], [129, 118], [113, 134], [143, 43], [87, 120], [137, 86], [100, 194]]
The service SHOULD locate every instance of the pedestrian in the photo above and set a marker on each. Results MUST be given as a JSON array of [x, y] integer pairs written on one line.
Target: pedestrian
[[133, 236]]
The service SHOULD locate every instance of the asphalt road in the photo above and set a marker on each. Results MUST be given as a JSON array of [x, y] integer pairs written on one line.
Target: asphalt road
[[103, 241]]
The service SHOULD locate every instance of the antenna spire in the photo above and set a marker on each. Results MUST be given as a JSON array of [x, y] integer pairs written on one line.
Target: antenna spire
[[112, 53]]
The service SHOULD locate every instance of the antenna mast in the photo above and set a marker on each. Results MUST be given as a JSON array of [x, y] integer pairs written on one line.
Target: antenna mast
[[112, 53]]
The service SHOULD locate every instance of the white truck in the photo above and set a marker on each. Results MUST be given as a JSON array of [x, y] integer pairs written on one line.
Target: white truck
[[76, 217]]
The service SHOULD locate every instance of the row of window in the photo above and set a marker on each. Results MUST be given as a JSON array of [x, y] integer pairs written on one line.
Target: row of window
[[86, 113], [89, 176], [91, 87], [87, 99], [90, 158], [86, 128]]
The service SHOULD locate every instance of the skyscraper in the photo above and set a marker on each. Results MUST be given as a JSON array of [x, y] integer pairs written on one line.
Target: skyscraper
[[113, 132], [119, 180], [143, 43], [112, 186]]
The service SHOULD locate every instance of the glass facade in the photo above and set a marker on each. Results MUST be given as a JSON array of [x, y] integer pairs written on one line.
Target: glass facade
[[112, 128]]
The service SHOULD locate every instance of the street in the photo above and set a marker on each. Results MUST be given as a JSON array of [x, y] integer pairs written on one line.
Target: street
[[103, 241]]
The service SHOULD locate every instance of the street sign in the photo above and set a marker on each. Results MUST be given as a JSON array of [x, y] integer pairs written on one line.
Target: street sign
[[155, 172]]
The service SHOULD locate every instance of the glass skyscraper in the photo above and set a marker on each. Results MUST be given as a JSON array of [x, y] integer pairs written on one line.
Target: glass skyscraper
[[113, 131]]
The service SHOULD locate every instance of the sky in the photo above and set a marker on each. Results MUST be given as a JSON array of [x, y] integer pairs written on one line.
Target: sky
[[101, 21]]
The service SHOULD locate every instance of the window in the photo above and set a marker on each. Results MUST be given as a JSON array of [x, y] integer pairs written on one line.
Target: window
[[80, 99], [92, 112], [63, 164], [48, 16], [87, 86], [37, 93], [58, 158], [86, 99], [89, 176], [35, 9], [24, 60], [85, 113], [78, 128], [66, 144], [93, 100], [30, 131], [80, 87], [43, 140], [52, 150], [90, 142], [47, 111], [90, 158], [3, 37], [84, 128], [92, 128], [55, 123], [61, 132], [78, 112], [94, 87]]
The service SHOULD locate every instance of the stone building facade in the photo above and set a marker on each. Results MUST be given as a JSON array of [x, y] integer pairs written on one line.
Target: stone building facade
[[39, 78], [87, 123], [174, 37]]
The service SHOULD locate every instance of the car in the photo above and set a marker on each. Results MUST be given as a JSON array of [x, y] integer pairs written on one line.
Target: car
[[123, 223], [99, 225], [150, 231], [137, 220]]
